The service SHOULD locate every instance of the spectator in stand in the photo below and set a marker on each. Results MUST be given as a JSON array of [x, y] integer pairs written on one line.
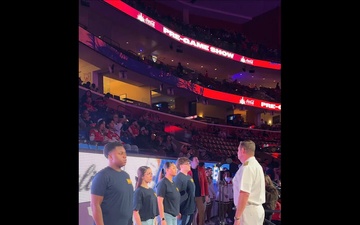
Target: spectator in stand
[[118, 121], [87, 85], [204, 155], [85, 124], [94, 88], [90, 105], [263, 124], [134, 130], [170, 146], [84, 97], [272, 196], [143, 139], [110, 125], [112, 136], [184, 151], [127, 140], [101, 104], [187, 135], [144, 121], [276, 217], [277, 176], [98, 133], [269, 170], [156, 144]]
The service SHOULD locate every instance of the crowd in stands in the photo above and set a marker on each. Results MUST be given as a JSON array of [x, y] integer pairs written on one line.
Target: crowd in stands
[[149, 131], [228, 40], [230, 86]]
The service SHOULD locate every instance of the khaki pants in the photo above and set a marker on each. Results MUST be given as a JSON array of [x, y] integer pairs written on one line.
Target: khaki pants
[[200, 213]]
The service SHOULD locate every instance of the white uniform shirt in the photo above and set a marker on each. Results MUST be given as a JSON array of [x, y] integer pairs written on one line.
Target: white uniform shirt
[[250, 178]]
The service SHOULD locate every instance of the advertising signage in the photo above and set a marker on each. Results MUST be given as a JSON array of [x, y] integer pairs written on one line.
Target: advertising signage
[[102, 47], [123, 7]]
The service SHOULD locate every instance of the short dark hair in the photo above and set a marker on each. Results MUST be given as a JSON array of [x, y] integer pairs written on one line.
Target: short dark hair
[[111, 146], [192, 157], [167, 165]]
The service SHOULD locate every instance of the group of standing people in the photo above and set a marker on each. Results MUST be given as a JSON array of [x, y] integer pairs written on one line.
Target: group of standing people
[[179, 198]]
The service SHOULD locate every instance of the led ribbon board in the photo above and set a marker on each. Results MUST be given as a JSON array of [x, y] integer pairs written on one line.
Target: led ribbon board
[[189, 41]]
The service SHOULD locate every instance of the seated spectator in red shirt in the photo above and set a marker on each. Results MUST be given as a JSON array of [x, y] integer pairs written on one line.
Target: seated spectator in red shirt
[[112, 136], [98, 133], [89, 104], [134, 130], [276, 217]]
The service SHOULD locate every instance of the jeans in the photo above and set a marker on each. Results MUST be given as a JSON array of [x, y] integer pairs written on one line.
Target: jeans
[[170, 219], [148, 222], [184, 220]]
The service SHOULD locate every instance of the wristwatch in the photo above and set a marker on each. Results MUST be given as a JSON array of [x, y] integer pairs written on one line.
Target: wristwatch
[[162, 218]]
